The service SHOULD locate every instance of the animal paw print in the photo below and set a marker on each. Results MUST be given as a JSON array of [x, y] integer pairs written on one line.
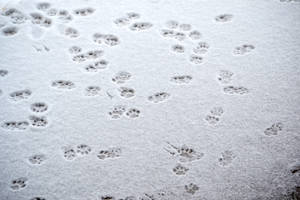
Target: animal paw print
[[19, 183], [140, 26], [235, 90], [181, 79], [126, 92], [92, 91], [71, 32], [75, 50], [117, 112], [177, 48], [112, 152], [179, 36], [10, 31], [15, 125], [295, 168], [214, 116], [195, 59], [167, 33], [195, 35], [108, 197], [172, 24], [84, 11], [133, 15], [224, 18], [184, 153], [108, 39], [243, 49], [43, 6], [37, 159], [52, 12], [98, 65], [121, 77], [224, 76], [133, 113], [20, 95], [39, 107], [185, 27], [69, 153], [122, 21], [159, 97], [191, 188], [83, 149], [180, 169], [201, 48], [38, 198], [16, 16], [3, 72], [64, 16], [274, 129], [38, 122], [63, 84], [226, 158], [37, 18]]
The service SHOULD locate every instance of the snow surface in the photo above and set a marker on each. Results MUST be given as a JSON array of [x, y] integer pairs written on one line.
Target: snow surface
[[149, 99]]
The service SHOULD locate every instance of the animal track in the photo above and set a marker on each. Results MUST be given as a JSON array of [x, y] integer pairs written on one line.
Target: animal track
[[69, 153], [184, 153], [185, 27], [18, 184], [195, 35], [159, 97], [37, 18], [10, 31], [122, 21], [211, 119], [191, 188], [38, 198], [43, 6], [71, 32], [214, 116], [83, 149], [126, 92], [108, 39], [92, 91], [180, 169], [295, 167], [140, 26], [16, 16], [112, 152], [133, 113], [38, 122], [75, 50], [39, 107], [90, 55], [133, 15], [15, 125], [244, 49], [121, 77], [84, 11], [274, 129], [20, 95], [224, 76], [172, 24], [217, 111], [63, 84], [37, 159], [52, 12], [3, 72], [181, 79], [201, 48], [64, 16], [196, 59], [224, 18], [117, 111], [235, 90], [177, 48], [226, 158]]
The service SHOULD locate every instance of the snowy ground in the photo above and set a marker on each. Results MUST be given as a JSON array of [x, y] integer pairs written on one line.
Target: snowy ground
[[149, 100]]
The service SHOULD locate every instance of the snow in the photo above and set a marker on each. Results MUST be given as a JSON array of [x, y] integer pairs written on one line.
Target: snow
[[149, 99]]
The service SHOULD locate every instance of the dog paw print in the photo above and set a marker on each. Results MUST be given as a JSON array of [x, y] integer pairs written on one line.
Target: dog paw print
[[195, 59], [179, 169], [69, 153], [181, 79], [92, 91], [274, 129], [39, 107], [178, 48], [38, 198], [75, 50], [108, 197], [126, 92], [224, 18], [140, 26], [20, 95], [10, 31], [64, 16], [185, 27], [15, 125], [63, 84], [183, 153], [133, 113], [225, 76], [226, 158], [191, 188], [52, 12], [214, 116], [112, 152], [159, 97], [121, 77], [117, 111], [83, 149], [84, 11], [243, 49], [240, 90], [71, 32], [37, 159], [38, 122], [195, 35], [3, 72], [201, 48], [19, 183]]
